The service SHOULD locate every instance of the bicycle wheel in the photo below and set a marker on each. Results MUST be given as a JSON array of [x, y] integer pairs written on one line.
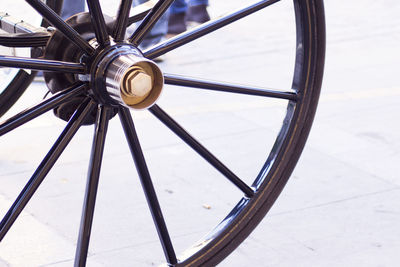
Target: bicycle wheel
[[93, 79]]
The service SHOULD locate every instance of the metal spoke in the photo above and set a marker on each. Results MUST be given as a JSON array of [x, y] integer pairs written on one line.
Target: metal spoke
[[148, 188], [45, 166], [103, 116], [204, 29], [61, 25], [148, 22], [137, 13], [41, 64], [98, 22], [122, 20], [231, 88], [200, 149], [40, 108]]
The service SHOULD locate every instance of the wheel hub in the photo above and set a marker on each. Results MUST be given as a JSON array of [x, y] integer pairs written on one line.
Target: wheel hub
[[117, 75], [122, 75]]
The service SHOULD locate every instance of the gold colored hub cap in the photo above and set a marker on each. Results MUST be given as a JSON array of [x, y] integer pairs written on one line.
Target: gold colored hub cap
[[136, 85]]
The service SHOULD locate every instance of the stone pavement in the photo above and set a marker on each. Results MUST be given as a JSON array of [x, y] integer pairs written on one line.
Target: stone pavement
[[338, 209]]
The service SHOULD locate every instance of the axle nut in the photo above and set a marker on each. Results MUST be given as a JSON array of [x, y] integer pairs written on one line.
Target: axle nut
[[137, 84]]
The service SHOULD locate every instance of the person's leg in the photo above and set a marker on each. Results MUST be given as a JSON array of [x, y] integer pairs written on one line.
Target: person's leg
[[71, 7], [198, 2], [178, 6], [176, 22], [197, 12], [159, 30]]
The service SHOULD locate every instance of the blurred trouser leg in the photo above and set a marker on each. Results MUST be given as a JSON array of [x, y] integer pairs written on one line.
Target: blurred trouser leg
[[198, 2], [72, 7], [176, 22], [159, 30], [197, 12], [178, 6]]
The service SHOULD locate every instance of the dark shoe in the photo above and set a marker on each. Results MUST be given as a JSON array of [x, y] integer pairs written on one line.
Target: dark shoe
[[176, 23], [197, 14]]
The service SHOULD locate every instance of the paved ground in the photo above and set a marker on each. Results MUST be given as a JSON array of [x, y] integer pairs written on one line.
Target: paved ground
[[340, 207]]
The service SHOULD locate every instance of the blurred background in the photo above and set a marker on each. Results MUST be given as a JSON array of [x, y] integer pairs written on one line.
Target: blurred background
[[338, 209]]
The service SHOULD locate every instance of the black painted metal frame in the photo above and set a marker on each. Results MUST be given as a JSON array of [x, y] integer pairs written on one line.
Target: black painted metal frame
[[105, 111]]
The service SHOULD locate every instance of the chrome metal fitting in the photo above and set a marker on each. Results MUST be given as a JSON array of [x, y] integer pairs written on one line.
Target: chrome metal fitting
[[133, 80]]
